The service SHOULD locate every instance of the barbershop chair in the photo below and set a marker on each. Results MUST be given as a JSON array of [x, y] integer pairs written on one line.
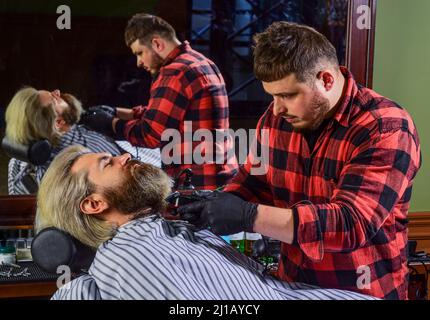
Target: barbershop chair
[[37, 153], [52, 248]]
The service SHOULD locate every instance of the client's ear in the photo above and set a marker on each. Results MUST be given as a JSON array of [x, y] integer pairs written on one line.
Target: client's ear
[[59, 123], [93, 204]]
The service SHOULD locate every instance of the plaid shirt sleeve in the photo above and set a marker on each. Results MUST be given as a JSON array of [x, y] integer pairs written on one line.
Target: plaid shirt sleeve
[[138, 111], [380, 170], [166, 109], [246, 184]]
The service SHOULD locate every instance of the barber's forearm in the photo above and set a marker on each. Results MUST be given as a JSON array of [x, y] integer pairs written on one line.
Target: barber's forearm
[[114, 121], [124, 113], [277, 223]]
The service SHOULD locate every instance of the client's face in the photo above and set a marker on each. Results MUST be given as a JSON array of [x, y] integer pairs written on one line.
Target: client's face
[[54, 98], [65, 112], [120, 180]]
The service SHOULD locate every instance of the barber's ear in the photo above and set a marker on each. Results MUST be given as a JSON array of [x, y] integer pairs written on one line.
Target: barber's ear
[[93, 204], [326, 80], [158, 44]]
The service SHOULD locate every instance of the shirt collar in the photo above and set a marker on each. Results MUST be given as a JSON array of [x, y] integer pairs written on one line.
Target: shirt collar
[[182, 48], [137, 221], [346, 103]]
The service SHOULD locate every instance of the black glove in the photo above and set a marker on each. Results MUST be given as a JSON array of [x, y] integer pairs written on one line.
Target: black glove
[[224, 213], [99, 121], [107, 109]]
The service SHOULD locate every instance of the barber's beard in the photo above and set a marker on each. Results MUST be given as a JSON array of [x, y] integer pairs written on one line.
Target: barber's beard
[[319, 108], [156, 63], [130, 197]]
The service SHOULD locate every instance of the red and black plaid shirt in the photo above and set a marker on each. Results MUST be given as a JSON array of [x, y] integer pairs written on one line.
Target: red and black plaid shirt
[[351, 193], [188, 87]]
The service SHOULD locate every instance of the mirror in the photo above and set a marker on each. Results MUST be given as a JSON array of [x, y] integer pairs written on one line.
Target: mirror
[[91, 60]]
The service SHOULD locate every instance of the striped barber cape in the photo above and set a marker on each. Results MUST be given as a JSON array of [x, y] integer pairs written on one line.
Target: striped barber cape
[[156, 259]]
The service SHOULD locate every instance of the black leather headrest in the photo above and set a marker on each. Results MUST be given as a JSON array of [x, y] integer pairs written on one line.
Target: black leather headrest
[[52, 248], [36, 153]]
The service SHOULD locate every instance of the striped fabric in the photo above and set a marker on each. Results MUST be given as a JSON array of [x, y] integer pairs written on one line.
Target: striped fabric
[[96, 142], [155, 259], [151, 156]]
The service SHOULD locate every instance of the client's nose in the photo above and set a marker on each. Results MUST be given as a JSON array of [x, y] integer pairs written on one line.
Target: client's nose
[[124, 158]]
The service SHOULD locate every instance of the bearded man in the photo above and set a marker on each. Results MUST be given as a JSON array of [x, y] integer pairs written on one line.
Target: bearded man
[[112, 204], [34, 115]]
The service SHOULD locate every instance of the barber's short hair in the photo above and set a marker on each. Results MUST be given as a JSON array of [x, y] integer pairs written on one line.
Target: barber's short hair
[[144, 27], [286, 48], [27, 120], [59, 198]]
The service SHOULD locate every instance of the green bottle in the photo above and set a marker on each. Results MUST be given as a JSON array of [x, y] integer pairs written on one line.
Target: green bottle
[[238, 241]]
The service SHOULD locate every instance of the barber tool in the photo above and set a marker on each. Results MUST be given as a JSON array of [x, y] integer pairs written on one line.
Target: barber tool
[[185, 192], [8, 264]]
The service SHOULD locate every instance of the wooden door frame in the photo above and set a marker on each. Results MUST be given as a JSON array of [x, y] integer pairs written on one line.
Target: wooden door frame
[[360, 43]]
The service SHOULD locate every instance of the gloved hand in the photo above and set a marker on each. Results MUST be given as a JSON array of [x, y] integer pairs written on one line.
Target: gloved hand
[[108, 109], [224, 213], [98, 120]]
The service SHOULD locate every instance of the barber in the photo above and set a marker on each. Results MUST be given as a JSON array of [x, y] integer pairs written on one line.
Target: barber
[[342, 160], [186, 87]]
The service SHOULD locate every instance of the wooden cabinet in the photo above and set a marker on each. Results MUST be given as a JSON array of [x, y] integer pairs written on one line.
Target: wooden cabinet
[[18, 212], [419, 230]]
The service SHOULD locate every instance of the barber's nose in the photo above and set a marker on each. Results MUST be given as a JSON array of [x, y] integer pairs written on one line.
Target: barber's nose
[[279, 106], [139, 63], [123, 159]]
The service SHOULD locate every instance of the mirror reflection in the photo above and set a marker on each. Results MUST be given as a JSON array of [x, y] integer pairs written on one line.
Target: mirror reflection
[[90, 64]]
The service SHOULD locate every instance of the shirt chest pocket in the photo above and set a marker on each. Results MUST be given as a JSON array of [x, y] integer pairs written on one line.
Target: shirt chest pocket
[[325, 176]]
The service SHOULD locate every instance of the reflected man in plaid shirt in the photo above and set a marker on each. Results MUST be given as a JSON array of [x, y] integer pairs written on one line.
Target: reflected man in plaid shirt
[[342, 160], [187, 88]]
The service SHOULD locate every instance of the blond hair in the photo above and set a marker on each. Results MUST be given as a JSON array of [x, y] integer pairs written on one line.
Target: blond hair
[[59, 197], [27, 120]]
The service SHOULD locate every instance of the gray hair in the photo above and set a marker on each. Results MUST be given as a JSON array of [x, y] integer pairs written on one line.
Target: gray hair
[[27, 120], [59, 197]]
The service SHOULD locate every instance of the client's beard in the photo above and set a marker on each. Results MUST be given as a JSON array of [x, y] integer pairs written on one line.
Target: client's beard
[[72, 113], [143, 191]]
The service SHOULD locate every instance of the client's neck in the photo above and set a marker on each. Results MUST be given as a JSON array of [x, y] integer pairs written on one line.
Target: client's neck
[[118, 218]]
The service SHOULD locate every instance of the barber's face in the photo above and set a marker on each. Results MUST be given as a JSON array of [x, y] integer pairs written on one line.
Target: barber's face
[[303, 106], [146, 57]]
